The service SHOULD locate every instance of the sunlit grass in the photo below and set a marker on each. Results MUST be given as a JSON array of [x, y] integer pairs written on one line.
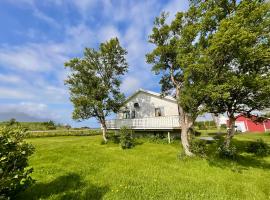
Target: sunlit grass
[[82, 168]]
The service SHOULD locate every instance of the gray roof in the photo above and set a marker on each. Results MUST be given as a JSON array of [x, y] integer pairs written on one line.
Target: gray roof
[[151, 93]]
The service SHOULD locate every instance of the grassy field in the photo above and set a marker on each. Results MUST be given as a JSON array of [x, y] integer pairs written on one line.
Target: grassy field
[[82, 168]]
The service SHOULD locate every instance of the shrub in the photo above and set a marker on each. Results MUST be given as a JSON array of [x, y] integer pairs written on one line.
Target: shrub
[[223, 126], [219, 137], [12, 122], [198, 147], [227, 152], [158, 139], [126, 139], [14, 153], [115, 139], [202, 126], [50, 125], [259, 148], [196, 133]]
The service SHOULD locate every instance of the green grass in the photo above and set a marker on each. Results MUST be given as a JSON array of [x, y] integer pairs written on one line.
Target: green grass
[[82, 168]]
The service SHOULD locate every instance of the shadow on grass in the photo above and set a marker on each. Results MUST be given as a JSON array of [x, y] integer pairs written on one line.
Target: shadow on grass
[[69, 186], [243, 161], [240, 163]]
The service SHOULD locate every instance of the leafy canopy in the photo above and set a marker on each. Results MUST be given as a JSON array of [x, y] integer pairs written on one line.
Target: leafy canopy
[[238, 61], [95, 80], [14, 154]]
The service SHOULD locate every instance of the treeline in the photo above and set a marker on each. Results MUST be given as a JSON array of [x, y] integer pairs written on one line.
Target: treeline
[[207, 125], [36, 126]]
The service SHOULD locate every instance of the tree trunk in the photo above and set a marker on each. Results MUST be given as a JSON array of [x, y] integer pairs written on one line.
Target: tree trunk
[[104, 130], [230, 131], [186, 124]]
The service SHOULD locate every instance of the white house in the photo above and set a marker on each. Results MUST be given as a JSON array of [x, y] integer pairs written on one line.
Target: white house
[[147, 110]]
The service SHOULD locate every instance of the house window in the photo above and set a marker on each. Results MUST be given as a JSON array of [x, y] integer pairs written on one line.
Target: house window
[[126, 115], [136, 105], [133, 114], [159, 112]]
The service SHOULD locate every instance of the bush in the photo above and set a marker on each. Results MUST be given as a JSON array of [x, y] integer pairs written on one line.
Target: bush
[[126, 139], [259, 148], [50, 125], [158, 139], [196, 133], [202, 126], [219, 137], [115, 139], [12, 122], [198, 147], [14, 153], [223, 126], [227, 152]]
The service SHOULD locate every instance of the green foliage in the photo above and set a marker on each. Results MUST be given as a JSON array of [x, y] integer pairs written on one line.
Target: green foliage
[[14, 153], [94, 82], [227, 152], [196, 133], [237, 59], [205, 125], [198, 147], [259, 148], [56, 133], [171, 57], [12, 122], [34, 126], [114, 137], [223, 126], [50, 125], [126, 138], [158, 139]]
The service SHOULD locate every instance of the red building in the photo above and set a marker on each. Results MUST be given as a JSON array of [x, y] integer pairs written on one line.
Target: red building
[[245, 124]]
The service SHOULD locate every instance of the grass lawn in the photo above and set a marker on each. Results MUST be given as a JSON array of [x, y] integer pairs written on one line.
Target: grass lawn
[[81, 168]]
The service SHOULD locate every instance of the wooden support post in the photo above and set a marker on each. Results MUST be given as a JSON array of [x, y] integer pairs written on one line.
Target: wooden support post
[[169, 137]]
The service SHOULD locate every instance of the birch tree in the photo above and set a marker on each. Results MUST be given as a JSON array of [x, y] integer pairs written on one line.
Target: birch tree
[[94, 82], [165, 61]]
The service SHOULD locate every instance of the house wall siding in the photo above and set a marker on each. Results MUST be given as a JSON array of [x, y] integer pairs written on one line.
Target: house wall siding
[[147, 105]]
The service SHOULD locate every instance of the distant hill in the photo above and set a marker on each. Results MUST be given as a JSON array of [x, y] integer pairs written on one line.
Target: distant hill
[[21, 117]]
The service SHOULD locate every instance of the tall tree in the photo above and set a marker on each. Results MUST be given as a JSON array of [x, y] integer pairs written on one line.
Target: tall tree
[[179, 56], [166, 61], [238, 58], [94, 83]]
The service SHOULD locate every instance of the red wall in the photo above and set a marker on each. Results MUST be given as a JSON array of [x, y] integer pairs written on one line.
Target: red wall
[[254, 127], [267, 124]]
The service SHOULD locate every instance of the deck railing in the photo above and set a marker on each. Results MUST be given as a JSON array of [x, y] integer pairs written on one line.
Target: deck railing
[[164, 122]]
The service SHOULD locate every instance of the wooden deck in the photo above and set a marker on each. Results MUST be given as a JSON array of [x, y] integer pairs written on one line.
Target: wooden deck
[[148, 123]]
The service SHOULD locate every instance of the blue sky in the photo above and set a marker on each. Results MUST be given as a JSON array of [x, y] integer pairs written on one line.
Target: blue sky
[[37, 37]]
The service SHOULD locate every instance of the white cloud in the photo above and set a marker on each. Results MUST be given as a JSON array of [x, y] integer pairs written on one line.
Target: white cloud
[[37, 13], [29, 57], [9, 78], [174, 6], [41, 65], [30, 2], [36, 110], [12, 93], [130, 84], [108, 32]]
